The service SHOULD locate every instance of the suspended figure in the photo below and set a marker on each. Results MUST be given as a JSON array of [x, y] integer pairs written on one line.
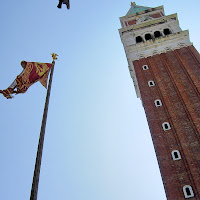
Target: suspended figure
[[63, 2]]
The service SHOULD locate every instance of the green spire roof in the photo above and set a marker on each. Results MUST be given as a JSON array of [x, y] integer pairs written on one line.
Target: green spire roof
[[134, 8]]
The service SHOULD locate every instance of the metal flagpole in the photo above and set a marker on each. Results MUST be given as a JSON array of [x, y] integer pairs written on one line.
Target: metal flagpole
[[35, 182]]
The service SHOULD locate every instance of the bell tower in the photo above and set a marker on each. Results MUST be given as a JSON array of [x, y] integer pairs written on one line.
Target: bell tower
[[165, 68]]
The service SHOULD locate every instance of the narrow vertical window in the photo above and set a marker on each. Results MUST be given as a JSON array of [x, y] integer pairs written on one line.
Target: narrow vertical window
[[145, 67], [151, 83], [176, 155], [166, 126], [158, 103], [188, 192]]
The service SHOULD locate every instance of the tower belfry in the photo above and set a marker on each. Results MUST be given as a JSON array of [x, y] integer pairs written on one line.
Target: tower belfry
[[165, 68]]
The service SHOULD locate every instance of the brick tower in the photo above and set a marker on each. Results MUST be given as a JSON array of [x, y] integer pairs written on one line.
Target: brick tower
[[165, 68]]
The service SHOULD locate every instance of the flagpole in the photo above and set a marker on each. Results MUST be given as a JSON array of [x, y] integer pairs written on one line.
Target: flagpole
[[35, 182]]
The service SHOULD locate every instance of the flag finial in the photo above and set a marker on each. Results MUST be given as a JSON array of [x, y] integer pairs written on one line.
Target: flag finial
[[54, 56]]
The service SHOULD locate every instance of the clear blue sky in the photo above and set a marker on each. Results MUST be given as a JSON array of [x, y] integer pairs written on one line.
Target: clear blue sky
[[97, 144]]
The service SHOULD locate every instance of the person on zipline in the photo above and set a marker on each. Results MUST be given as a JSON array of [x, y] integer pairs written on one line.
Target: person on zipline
[[63, 2]]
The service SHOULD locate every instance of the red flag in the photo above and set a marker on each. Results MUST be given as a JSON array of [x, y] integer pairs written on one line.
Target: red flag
[[32, 72]]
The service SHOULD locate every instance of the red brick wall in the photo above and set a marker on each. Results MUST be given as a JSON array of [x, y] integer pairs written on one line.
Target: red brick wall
[[177, 76]]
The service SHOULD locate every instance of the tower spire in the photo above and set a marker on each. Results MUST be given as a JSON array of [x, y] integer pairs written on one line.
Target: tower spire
[[136, 8]]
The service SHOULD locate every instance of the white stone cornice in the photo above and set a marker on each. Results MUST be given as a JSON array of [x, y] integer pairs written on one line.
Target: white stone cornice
[[158, 46]]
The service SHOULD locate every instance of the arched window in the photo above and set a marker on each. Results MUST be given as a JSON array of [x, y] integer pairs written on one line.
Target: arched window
[[158, 103], [145, 67], [139, 39], [188, 192], [166, 126], [148, 37], [176, 155], [151, 83], [166, 31], [157, 34]]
